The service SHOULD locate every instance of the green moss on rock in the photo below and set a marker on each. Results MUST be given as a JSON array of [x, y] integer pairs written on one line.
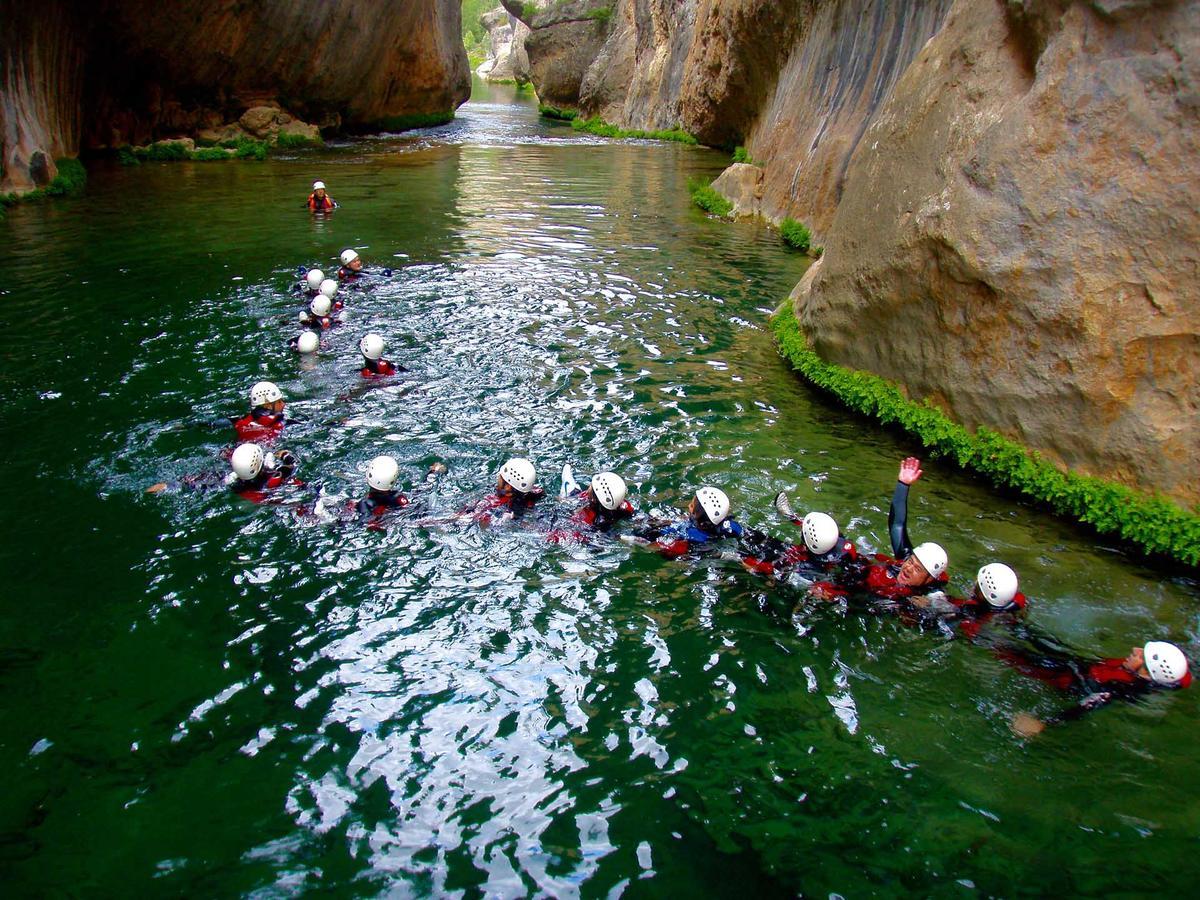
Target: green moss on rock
[[1152, 523]]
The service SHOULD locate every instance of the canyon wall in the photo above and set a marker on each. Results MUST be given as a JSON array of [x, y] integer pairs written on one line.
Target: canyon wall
[[113, 72], [1006, 192]]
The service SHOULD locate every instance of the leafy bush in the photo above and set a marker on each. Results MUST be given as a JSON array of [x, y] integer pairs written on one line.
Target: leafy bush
[[167, 151], [288, 140], [250, 149], [210, 154], [600, 128], [1153, 523], [71, 178], [742, 155], [553, 112], [795, 234], [601, 14], [705, 197]]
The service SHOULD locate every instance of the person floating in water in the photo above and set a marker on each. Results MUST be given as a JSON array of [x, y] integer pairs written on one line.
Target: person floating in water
[[310, 285], [1158, 665], [352, 268], [255, 473], [319, 200], [374, 365], [516, 493], [265, 420], [707, 523], [319, 316], [824, 554], [601, 505], [994, 594], [329, 288], [305, 343], [910, 571], [383, 473]]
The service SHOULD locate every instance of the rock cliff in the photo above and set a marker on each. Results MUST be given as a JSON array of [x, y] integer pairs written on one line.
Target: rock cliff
[[112, 72], [1006, 190]]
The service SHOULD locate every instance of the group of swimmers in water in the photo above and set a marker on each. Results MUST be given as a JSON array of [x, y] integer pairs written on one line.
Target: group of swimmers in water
[[912, 582]]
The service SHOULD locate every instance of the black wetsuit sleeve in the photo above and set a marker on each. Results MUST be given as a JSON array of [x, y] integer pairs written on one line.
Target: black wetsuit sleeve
[[1083, 707], [898, 522]]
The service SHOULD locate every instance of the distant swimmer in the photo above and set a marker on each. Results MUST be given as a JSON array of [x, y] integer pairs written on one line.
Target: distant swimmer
[[516, 492], [329, 288], [600, 506], [374, 365], [383, 474], [256, 473], [305, 343], [319, 316], [910, 570], [265, 420], [1155, 666], [352, 267], [310, 285], [707, 523], [319, 200]]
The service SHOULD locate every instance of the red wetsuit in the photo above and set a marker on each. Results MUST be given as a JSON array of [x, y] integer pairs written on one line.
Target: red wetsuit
[[977, 613], [377, 368], [515, 503], [377, 503], [257, 490], [590, 517], [325, 202], [259, 425]]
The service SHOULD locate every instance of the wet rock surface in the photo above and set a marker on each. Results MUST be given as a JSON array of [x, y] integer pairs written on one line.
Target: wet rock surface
[[117, 72]]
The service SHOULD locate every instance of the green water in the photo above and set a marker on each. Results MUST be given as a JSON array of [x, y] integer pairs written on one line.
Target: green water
[[203, 697]]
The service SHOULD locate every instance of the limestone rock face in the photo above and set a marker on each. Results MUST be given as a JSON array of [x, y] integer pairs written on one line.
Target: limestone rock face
[[564, 41], [742, 184], [113, 72], [1020, 225], [507, 58]]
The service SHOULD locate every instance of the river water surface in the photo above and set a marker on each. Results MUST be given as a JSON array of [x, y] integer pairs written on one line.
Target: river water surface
[[204, 697]]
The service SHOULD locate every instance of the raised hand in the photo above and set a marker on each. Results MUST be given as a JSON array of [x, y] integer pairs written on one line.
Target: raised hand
[[910, 470]]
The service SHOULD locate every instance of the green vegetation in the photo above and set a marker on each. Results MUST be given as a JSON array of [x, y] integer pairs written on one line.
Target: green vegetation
[[705, 197], [289, 141], [71, 178], [742, 155], [600, 128], [413, 120], [553, 112], [601, 14], [1153, 523], [175, 151], [795, 234], [528, 11], [209, 154]]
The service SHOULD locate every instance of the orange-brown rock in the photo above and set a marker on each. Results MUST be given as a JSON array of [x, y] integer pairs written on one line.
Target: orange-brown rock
[[1020, 225], [127, 71]]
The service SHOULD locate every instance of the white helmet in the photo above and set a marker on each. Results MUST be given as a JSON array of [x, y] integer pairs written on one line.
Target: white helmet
[[998, 584], [519, 473], [349, 255], [932, 557], [714, 503], [382, 473], [609, 488], [1165, 662], [263, 393], [314, 279], [247, 461], [820, 532], [328, 287], [318, 185], [371, 346], [320, 305], [308, 342]]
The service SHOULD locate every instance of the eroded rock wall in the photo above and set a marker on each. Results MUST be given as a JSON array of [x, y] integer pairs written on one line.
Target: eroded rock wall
[[113, 72], [1020, 225]]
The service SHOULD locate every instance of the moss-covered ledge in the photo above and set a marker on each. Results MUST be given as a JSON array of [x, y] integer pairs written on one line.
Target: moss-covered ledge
[[1152, 523]]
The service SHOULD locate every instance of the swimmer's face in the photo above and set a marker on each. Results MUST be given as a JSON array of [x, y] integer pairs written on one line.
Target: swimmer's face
[[912, 573], [502, 486], [1135, 662], [320, 192], [356, 264], [277, 406]]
